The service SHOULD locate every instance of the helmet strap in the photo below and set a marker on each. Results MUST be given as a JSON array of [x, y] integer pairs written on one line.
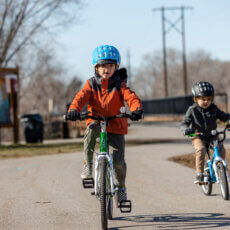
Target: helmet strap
[[95, 69]]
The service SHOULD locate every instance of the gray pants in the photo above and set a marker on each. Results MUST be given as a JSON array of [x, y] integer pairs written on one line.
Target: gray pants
[[116, 144]]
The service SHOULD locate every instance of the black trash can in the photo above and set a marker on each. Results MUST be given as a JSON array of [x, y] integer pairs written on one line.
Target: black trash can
[[33, 127]]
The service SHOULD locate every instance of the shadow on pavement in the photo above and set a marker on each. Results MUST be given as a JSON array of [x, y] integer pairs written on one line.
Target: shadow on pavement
[[177, 221]]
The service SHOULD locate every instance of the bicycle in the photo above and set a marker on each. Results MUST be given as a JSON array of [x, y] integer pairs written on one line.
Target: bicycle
[[103, 185], [215, 168]]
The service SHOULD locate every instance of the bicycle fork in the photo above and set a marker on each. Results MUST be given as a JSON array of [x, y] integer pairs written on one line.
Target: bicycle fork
[[226, 169], [109, 159], [217, 159]]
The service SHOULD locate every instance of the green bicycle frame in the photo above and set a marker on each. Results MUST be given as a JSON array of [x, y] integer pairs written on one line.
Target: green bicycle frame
[[103, 139]]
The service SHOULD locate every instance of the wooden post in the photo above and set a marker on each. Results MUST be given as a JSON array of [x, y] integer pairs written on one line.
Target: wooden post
[[13, 101]]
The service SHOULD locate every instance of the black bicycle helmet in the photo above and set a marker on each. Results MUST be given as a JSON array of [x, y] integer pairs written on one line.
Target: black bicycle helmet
[[202, 88]]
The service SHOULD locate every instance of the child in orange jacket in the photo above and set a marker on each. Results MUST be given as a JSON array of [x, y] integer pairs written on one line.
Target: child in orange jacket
[[105, 94]]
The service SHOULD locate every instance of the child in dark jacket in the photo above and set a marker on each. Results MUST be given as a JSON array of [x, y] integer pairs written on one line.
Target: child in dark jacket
[[201, 117]]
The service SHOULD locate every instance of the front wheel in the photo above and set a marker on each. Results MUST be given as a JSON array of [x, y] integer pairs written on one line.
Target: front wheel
[[207, 188], [223, 180], [102, 193], [109, 196]]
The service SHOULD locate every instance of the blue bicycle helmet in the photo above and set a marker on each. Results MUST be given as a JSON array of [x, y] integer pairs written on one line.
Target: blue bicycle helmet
[[106, 54]]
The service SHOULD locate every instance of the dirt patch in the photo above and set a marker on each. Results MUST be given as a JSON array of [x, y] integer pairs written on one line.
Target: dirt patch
[[188, 160]]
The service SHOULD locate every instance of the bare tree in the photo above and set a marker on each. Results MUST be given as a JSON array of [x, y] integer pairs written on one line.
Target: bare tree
[[146, 74], [46, 83], [201, 67], [72, 89], [47, 80], [21, 20]]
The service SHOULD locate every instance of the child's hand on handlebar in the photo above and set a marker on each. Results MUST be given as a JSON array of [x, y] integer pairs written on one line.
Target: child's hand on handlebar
[[227, 124], [188, 131], [73, 115], [137, 115]]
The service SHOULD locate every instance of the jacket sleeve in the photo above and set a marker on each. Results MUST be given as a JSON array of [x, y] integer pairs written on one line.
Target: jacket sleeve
[[187, 120], [82, 97], [131, 98], [222, 115]]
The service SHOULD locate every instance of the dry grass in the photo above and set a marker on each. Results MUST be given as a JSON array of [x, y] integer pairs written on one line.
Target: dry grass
[[188, 160], [29, 150]]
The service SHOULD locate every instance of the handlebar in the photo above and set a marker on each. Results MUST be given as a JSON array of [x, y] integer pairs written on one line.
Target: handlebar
[[214, 133], [84, 116], [196, 134]]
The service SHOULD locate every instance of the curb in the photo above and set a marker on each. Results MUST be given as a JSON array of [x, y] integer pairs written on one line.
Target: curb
[[154, 141]]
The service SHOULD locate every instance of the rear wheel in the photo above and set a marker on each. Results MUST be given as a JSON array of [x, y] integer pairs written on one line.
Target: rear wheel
[[207, 188], [223, 180], [102, 193]]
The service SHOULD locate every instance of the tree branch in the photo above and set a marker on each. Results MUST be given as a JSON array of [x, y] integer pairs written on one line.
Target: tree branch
[[21, 19], [29, 35], [15, 25]]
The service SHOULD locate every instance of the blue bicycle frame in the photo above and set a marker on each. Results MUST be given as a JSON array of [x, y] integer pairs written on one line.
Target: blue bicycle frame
[[215, 168], [212, 164], [216, 157]]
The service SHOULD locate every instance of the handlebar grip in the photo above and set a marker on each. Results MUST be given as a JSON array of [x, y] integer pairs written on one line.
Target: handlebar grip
[[192, 135], [65, 118], [195, 134]]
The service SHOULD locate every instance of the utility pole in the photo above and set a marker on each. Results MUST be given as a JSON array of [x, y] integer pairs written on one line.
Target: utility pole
[[164, 33], [129, 68], [164, 53], [185, 76]]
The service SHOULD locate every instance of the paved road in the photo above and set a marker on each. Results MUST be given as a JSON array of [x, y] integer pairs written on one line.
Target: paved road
[[143, 131], [45, 193]]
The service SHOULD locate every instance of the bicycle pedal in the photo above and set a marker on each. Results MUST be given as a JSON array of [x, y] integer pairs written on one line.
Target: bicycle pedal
[[203, 183], [88, 183], [125, 206]]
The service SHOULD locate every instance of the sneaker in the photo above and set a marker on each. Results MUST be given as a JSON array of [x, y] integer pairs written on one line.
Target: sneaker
[[199, 178], [121, 194], [87, 170]]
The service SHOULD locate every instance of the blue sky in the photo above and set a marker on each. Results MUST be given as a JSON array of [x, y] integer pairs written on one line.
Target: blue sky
[[133, 25]]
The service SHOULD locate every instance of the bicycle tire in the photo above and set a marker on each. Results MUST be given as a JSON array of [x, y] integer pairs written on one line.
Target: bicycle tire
[[109, 197], [223, 181], [102, 193], [110, 208], [207, 189]]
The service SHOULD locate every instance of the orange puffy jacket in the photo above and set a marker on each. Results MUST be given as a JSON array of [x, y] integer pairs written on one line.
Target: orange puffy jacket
[[105, 97]]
